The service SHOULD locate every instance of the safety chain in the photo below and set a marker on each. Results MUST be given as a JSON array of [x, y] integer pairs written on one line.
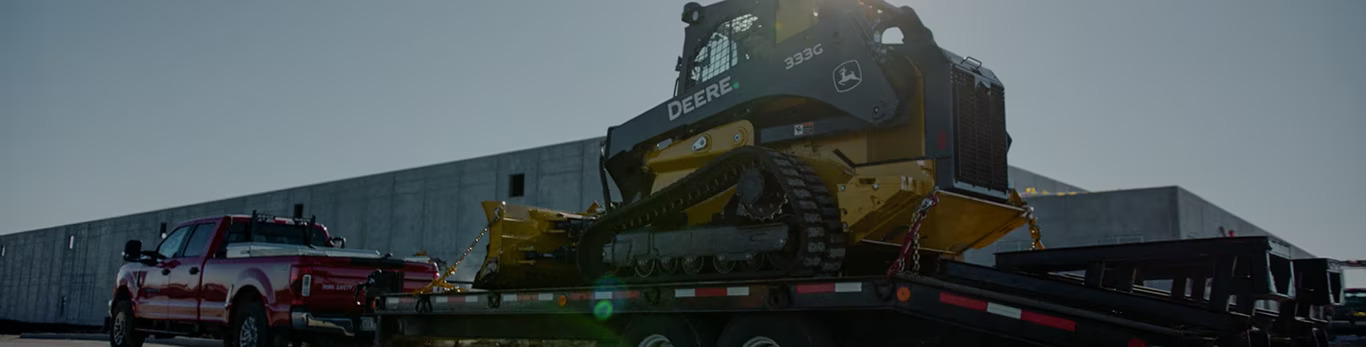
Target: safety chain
[[912, 243], [450, 270], [1034, 232]]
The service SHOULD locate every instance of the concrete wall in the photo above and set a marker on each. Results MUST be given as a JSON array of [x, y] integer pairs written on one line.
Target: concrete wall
[[1122, 216], [1086, 219], [1201, 219], [433, 208]]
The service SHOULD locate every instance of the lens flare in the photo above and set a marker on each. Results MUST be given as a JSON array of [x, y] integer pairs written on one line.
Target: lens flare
[[602, 310]]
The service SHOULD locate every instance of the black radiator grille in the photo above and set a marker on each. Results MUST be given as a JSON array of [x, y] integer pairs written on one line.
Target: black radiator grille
[[980, 122]]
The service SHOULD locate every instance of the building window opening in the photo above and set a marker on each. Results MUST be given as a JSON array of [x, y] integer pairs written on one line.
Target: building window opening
[[298, 210], [163, 231], [516, 185]]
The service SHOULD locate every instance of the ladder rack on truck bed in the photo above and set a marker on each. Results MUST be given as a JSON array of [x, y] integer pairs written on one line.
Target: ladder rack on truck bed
[[1022, 301]]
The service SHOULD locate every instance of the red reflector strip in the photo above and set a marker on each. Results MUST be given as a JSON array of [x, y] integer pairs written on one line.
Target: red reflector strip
[[813, 288], [711, 292], [580, 296], [526, 297], [1008, 311], [706, 292], [820, 288], [962, 301], [1046, 320]]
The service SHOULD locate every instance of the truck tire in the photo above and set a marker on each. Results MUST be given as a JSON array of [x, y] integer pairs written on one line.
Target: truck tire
[[664, 331], [774, 330], [122, 330], [250, 327]]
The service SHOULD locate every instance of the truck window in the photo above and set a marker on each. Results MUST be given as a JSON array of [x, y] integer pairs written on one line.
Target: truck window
[[171, 245], [199, 240], [274, 233]]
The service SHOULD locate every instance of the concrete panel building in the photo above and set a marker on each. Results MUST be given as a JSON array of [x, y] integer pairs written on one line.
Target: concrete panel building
[[65, 274], [1075, 219]]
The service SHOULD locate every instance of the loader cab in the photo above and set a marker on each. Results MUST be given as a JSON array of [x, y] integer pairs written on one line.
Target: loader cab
[[723, 35]]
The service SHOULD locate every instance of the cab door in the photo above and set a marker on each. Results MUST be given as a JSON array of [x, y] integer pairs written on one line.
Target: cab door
[[154, 293], [183, 283]]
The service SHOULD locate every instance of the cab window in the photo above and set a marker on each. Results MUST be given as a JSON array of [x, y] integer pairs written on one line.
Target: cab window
[[239, 232], [727, 46], [198, 242], [171, 245]]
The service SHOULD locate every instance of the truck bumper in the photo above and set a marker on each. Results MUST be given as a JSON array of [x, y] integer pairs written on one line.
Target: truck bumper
[[342, 325]]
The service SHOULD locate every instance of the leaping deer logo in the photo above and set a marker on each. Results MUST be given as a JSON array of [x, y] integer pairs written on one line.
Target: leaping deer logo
[[847, 76]]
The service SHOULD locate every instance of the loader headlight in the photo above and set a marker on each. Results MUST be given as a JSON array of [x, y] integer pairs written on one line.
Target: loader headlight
[[692, 13]]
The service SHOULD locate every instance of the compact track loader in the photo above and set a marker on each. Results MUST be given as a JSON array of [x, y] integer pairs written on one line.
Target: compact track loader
[[801, 141]]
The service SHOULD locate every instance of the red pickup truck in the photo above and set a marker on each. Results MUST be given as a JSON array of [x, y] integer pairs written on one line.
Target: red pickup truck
[[251, 280]]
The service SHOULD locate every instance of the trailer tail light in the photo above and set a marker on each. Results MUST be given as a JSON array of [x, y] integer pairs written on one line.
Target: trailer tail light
[[1137, 342]]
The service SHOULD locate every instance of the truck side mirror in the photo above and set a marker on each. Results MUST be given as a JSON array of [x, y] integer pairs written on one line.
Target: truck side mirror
[[338, 241], [132, 251]]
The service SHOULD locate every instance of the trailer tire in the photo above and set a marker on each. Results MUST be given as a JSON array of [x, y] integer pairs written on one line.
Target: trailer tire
[[658, 330], [775, 330], [123, 326]]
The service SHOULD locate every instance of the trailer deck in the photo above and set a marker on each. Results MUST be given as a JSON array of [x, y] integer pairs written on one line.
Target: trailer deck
[[1024, 300]]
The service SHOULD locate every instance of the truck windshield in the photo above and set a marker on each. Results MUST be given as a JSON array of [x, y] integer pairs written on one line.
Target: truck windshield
[[275, 233]]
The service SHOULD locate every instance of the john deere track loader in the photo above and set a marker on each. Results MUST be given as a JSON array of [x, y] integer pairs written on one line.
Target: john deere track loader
[[800, 141]]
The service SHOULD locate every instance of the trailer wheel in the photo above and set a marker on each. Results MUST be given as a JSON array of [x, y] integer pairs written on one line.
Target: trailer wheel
[[666, 331], [775, 330]]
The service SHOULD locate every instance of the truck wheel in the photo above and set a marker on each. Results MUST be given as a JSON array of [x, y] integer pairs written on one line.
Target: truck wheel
[[122, 332], [250, 327], [774, 330], [665, 331]]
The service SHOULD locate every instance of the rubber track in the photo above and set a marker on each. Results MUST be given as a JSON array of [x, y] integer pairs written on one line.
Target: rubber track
[[816, 224]]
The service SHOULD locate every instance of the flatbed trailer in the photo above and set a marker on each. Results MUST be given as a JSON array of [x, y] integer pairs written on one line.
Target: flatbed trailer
[[1243, 291]]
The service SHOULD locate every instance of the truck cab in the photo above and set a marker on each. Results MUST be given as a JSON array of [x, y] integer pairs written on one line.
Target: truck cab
[[252, 280]]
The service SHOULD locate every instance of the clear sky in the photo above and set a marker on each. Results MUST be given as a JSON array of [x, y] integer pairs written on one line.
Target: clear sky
[[115, 107]]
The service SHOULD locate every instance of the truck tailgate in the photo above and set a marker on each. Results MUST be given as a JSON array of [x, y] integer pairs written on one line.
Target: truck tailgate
[[328, 284]]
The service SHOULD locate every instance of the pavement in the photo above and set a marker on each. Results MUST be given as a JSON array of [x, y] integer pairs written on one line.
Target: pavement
[[91, 340]]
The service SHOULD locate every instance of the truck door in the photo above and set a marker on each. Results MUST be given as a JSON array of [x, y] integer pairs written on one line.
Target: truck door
[[186, 268], [154, 305]]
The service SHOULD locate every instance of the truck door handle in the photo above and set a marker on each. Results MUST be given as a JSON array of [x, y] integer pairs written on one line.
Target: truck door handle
[[194, 270], [165, 271]]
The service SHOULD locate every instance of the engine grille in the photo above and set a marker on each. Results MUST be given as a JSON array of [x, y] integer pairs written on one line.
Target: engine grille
[[981, 141]]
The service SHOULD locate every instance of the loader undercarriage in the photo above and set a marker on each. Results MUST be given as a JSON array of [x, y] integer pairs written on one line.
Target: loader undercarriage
[[781, 207]]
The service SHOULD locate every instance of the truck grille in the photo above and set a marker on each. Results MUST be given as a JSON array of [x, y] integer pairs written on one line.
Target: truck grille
[[980, 122]]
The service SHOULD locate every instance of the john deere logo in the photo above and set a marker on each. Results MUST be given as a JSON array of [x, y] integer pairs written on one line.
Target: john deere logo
[[847, 76]]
